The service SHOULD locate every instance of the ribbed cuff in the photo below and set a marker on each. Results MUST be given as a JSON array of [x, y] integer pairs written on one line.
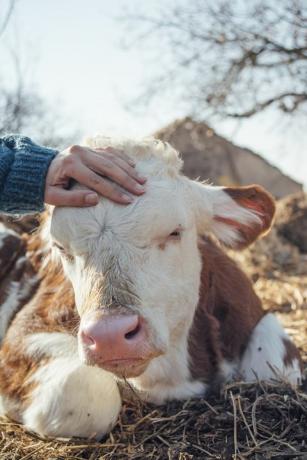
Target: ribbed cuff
[[25, 184]]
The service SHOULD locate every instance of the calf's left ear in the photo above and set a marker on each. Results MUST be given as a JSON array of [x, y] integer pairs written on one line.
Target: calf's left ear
[[237, 216]]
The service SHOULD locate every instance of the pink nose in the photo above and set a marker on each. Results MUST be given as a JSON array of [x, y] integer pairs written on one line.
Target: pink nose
[[111, 338]]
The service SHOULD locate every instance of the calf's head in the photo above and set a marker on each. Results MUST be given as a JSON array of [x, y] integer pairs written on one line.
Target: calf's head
[[136, 269]]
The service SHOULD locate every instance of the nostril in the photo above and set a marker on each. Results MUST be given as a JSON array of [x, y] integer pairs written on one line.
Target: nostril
[[87, 339], [131, 334]]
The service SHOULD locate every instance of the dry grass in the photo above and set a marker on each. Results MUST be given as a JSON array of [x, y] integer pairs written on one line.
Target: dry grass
[[238, 422], [244, 421]]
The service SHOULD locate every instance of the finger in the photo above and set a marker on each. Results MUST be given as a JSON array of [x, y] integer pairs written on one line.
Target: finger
[[80, 150], [101, 185], [118, 153], [58, 196], [114, 172], [129, 169], [124, 166], [116, 156]]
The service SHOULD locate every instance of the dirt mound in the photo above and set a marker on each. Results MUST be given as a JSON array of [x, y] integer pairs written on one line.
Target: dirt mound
[[212, 157], [292, 220]]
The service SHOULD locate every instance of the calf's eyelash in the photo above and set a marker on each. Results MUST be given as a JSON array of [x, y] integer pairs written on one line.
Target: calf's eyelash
[[63, 252], [175, 233]]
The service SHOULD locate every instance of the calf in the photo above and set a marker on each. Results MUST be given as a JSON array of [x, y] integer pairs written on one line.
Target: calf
[[140, 292]]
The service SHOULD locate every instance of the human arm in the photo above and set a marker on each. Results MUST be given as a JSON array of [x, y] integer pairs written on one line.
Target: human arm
[[23, 170]]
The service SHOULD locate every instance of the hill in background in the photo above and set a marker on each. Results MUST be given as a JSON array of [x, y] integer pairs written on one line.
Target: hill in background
[[209, 156]]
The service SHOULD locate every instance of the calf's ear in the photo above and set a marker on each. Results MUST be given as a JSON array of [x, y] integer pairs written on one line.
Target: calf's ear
[[237, 216]]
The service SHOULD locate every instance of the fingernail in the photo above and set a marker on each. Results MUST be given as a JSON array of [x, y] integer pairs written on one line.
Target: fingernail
[[91, 198], [131, 162], [142, 178], [127, 198], [140, 188]]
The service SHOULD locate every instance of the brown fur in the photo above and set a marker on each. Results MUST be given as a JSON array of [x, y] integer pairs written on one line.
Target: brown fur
[[227, 312], [15, 367], [291, 354], [21, 272], [51, 309], [11, 249]]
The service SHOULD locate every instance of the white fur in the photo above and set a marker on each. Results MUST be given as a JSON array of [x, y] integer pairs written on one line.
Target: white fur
[[228, 370], [158, 158], [161, 393], [264, 356], [55, 345], [168, 377], [69, 398]]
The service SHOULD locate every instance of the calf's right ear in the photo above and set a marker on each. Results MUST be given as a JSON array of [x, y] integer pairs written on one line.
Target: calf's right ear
[[237, 216]]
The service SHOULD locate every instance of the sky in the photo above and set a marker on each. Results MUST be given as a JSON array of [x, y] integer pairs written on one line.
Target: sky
[[72, 54]]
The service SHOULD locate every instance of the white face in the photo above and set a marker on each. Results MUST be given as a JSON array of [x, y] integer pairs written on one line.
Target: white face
[[141, 258], [136, 269]]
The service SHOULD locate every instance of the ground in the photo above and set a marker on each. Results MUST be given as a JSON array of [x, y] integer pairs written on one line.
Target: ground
[[240, 421]]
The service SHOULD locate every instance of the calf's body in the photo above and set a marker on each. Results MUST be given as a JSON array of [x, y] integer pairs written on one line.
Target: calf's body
[[196, 319]]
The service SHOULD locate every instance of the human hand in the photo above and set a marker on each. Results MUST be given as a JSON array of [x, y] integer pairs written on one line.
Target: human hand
[[106, 172]]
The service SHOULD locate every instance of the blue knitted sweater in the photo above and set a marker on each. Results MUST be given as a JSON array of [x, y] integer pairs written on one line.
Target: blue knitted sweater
[[23, 170]]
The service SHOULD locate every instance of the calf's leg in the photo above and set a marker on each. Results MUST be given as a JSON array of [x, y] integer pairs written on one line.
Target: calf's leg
[[270, 354], [66, 398]]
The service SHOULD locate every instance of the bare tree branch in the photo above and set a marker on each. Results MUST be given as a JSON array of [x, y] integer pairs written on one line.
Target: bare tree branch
[[22, 110], [7, 16], [231, 59], [296, 100]]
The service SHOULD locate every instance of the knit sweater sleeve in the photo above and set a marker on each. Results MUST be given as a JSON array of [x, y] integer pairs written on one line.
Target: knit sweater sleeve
[[23, 170]]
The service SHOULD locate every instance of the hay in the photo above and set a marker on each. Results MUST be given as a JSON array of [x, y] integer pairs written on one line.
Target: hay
[[243, 421], [240, 421]]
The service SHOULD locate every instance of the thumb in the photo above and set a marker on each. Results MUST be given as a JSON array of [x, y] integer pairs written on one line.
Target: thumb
[[58, 196]]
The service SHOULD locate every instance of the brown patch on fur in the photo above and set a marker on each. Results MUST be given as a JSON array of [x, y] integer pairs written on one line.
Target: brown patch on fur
[[16, 271], [51, 309], [256, 199], [16, 371], [227, 312], [291, 353], [23, 274], [12, 247]]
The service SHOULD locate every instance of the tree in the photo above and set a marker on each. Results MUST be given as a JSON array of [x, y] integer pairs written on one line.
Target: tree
[[19, 106], [231, 59], [22, 109]]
